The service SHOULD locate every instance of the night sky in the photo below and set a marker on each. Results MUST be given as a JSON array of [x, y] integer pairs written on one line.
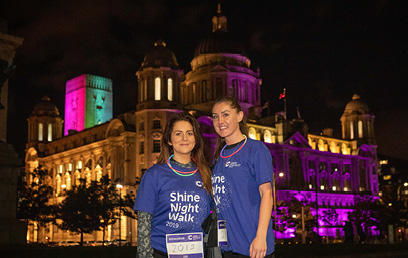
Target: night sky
[[322, 52]]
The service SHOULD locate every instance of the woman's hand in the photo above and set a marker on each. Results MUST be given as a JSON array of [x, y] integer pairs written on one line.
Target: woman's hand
[[258, 248]]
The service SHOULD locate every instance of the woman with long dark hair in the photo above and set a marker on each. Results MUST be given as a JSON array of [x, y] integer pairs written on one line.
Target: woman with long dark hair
[[241, 179], [174, 195]]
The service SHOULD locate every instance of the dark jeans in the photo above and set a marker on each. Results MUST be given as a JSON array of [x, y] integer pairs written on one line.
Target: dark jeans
[[235, 255], [159, 254]]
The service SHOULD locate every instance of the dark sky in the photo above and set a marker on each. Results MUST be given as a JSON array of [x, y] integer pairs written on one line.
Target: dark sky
[[322, 52]]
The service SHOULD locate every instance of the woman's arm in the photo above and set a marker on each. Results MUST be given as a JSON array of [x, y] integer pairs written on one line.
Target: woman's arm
[[258, 246], [144, 224]]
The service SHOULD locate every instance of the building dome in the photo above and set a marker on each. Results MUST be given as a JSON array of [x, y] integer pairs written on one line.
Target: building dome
[[160, 56], [45, 108], [356, 106], [219, 42]]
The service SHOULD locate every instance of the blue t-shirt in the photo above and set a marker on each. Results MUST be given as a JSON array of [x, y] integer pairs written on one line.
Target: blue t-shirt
[[236, 182], [178, 204]]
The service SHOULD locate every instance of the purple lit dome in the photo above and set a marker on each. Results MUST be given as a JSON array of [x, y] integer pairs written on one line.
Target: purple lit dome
[[45, 108], [356, 106], [160, 56], [219, 42]]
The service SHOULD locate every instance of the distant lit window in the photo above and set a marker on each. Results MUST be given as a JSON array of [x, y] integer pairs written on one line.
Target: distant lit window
[[267, 136], [387, 177], [40, 132], [383, 162], [322, 187], [157, 88], [170, 89], [252, 133], [79, 165], [49, 138], [360, 129], [68, 181], [70, 167], [351, 130], [60, 169], [361, 189], [156, 146]]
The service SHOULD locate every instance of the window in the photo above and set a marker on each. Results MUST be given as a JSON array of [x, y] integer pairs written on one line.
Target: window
[[49, 138], [252, 133], [267, 136], [141, 148], [156, 124], [40, 132], [360, 129], [157, 88], [79, 165], [351, 130], [141, 126], [156, 146], [170, 89]]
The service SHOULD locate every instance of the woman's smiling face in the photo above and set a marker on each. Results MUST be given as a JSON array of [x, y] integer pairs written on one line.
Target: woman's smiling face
[[182, 138], [226, 120]]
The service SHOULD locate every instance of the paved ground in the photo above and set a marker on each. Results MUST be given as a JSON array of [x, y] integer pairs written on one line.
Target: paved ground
[[307, 251]]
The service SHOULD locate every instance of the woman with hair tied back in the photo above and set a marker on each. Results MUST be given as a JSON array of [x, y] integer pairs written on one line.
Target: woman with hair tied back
[[241, 182], [174, 195]]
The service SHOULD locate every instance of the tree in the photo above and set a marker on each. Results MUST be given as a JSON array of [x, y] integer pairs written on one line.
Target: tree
[[77, 211], [370, 212], [34, 199], [295, 216], [108, 203], [330, 217]]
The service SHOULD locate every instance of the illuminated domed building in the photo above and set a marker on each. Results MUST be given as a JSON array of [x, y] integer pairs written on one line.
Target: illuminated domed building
[[314, 168]]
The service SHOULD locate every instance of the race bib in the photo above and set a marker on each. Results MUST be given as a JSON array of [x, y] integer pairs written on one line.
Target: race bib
[[187, 245], [222, 233]]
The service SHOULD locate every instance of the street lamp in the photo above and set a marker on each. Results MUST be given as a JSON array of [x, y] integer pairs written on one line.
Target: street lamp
[[119, 186]]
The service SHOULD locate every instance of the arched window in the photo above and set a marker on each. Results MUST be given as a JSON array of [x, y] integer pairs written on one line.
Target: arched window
[[49, 132], [40, 132], [360, 129], [252, 133], [157, 88], [170, 89], [351, 130], [267, 136]]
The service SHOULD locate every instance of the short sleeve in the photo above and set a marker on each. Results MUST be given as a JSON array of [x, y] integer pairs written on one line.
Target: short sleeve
[[262, 165], [147, 193]]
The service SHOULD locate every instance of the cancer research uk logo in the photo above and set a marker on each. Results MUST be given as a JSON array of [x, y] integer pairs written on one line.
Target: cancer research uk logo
[[232, 164], [183, 208]]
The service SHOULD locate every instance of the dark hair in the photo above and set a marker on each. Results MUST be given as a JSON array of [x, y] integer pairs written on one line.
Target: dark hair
[[242, 125], [197, 154]]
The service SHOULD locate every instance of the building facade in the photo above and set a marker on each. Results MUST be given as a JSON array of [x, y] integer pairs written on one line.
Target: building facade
[[320, 168]]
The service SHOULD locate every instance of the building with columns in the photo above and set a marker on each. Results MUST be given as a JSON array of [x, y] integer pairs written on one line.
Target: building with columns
[[322, 169]]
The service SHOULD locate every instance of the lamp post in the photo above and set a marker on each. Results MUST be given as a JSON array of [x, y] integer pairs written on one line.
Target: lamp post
[[119, 186]]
